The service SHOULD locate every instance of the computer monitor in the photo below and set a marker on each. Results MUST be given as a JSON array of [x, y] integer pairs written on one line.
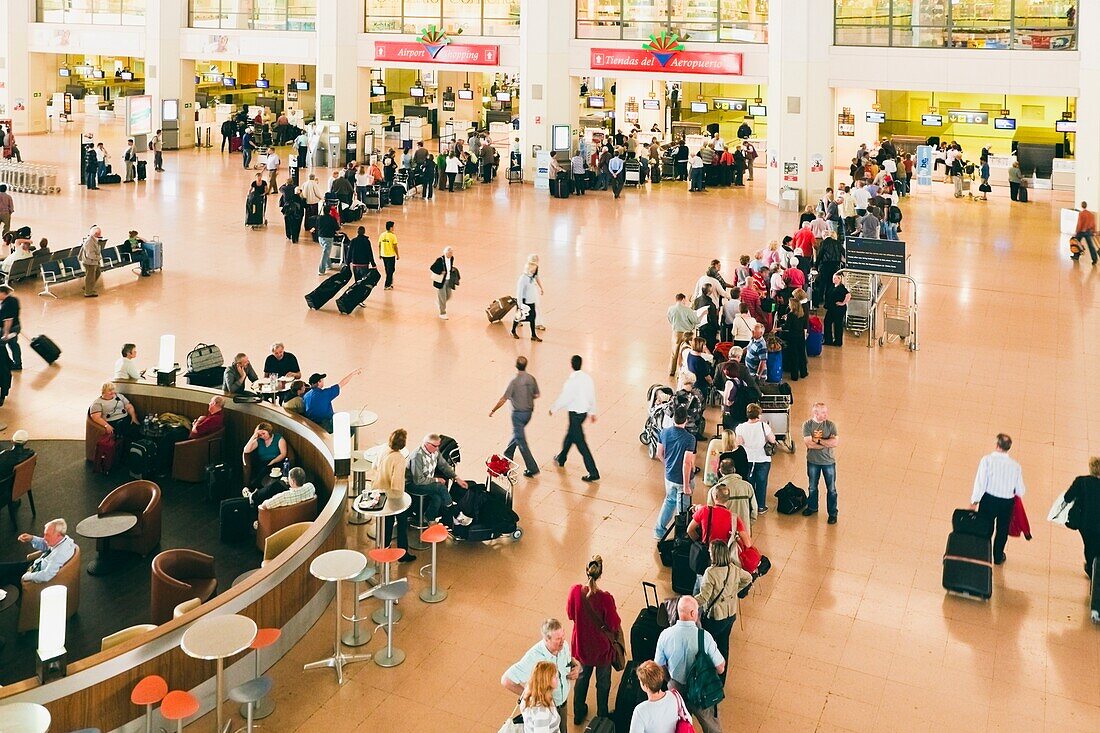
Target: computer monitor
[[127, 76], [931, 120], [229, 81], [378, 90], [876, 118], [758, 110], [596, 102], [301, 86], [504, 96], [64, 72], [417, 92], [466, 94], [1066, 125], [653, 104], [263, 83], [700, 107], [1004, 123]]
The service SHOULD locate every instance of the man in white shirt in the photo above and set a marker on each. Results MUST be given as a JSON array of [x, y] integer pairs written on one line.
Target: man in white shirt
[[861, 196], [578, 396], [272, 164], [998, 481], [125, 367]]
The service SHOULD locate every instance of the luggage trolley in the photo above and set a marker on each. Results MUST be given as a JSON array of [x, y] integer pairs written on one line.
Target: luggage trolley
[[501, 475], [862, 287], [901, 325], [776, 412]]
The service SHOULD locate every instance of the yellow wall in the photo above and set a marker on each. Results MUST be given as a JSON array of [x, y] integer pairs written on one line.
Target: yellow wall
[[729, 121]]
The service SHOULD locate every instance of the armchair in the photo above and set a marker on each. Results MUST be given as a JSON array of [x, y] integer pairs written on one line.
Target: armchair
[[143, 500], [270, 521], [68, 576], [178, 576], [193, 455], [93, 431]]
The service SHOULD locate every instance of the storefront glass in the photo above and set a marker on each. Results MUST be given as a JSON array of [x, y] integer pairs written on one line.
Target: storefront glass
[[256, 15], [701, 21], [97, 12], [985, 24], [468, 17]]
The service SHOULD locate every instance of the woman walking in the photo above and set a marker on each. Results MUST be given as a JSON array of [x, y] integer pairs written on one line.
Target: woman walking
[[595, 624], [1084, 492], [527, 297], [754, 436]]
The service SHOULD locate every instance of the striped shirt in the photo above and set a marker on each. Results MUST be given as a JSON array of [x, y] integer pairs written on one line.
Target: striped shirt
[[293, 495], [999, 476]]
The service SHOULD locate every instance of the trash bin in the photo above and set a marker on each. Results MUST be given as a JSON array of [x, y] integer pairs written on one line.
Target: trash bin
[[790, 199]]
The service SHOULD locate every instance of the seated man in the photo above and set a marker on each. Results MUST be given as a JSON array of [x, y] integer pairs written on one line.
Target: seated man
[[294, 403], [264, 451], [282, 363], [9, 459], [57, 548], [212, 421], [125, 367], [114, 413], [140, 252], [426, 474], [238, 375], [275, 493], [318, 400]]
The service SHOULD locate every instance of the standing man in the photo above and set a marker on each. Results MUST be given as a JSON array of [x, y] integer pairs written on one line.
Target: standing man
[[247, 147], [91, 258], [615, 171], [684, 321], [999, 480], [91, 169], [820, 436], [229, 131], [272, 163], [677, 451], [522, 391], [1086, 227], [7, 208], [129, 158], [157, 146], [10, 326], [387, 249], [317, 402], [578, 396], [445, 279], [326, 229], [837, 298], [677, 647], [301, 146], [552, 648]]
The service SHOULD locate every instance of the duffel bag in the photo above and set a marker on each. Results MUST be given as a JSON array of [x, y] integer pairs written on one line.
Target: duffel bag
[[204, 356]]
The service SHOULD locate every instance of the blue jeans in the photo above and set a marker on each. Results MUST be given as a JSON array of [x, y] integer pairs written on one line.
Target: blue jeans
[[520, 418], [102, 169], [758, 477], [889, 230], [815, 472], [1086, 237], [91, 179], [437, 501], [675, 501], [326, 247]]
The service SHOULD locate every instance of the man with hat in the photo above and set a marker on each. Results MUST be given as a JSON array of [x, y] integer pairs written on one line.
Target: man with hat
[[318, 400]]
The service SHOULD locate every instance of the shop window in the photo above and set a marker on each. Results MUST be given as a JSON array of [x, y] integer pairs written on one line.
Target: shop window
[[96, 12], [266, 15], [700, 21], [467, 17]]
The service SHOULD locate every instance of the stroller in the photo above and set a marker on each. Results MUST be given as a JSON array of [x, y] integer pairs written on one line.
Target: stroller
[[660, 403], [488, 504]]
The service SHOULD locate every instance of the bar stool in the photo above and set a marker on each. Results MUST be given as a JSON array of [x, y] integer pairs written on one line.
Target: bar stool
[[148, 692], [418, 544], [335, 566], [250, 694], [355, 637], [390, 593], [434, 534], [264, 638], [385, 556], [360, 468], [178, 706]]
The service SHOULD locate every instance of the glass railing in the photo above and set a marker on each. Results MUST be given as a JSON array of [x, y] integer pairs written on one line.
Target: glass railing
[[412, 25], [717, 23], [92, 12], [262, 16]]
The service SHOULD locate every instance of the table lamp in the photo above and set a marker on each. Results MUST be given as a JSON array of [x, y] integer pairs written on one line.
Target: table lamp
[[166, 364], [341, 443], [51, 632]]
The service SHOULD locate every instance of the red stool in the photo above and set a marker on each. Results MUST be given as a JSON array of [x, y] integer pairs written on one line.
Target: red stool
[[178, 705], [148, 692], [264, 706], [386, 556], [434, 534]]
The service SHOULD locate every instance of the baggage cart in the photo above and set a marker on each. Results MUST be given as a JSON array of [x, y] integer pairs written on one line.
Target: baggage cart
[[862, 288], [500, 479], [900, 322], [632, 172], [776, 412]]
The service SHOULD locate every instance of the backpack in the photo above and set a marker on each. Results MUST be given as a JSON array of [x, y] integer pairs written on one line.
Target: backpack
[[703, 688], [894, 215], [106, 449], [791, 499], [141, 458]]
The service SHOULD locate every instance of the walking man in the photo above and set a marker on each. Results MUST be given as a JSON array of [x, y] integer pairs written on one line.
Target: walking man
[[157, 146], [684, 321], [91, 257], [445, 280], [387, 250], [820, 436], [677, 451], [522, 391], [578, 396], [10, 327], [999, 480], [551, 648], [1086, 229], [677, 647], [7, 207]]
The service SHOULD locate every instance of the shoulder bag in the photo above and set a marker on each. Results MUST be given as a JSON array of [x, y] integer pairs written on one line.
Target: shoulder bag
[[618, 644], [769, 446], [699, 555], [683, 718]]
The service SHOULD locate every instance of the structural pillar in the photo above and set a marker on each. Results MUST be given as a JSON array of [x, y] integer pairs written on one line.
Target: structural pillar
[[801, 124], [167, 76], [544, 97], [24, 77], [1087, 140], [339, 78]]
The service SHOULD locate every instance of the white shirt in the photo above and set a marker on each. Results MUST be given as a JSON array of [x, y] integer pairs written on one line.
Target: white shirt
[[861, 196], [272, 162], [890, 165], [578, 394], [717, 292], [126, 369], [998, 475], [658, 716], [753, 436]]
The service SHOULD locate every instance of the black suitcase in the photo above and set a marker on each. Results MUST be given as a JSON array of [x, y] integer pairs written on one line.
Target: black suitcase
[[218, 482], [1096, 590], [397, 195], [655, 173], [968, 566], [211, 377], [358, 292], [1022, 195], [235, 520], [967, 521], [678, 530], [45, 347], [142, 167], [683, 575], [141, 458], [601, 725], [645, 629], [627, 697], [329, 287], [110, 178]]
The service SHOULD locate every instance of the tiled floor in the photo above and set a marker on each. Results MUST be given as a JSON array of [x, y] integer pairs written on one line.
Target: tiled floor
[[850, 631]]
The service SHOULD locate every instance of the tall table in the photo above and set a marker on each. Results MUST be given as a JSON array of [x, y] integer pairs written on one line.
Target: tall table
[[24, 717], [363, 418], [336, 566], [104, 528], [218, 637], [391, 508]]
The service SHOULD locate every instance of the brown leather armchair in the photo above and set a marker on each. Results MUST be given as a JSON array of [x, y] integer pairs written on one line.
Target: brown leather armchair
[[143, 500], [93, 431], [178, 576], [192, 456], [270, 521], [68, 576]]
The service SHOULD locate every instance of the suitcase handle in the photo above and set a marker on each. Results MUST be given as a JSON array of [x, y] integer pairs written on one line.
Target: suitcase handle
[[646, 587]]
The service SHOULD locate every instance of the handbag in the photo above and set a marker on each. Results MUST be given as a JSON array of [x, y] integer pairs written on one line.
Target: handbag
[[683, 720], [699, 554], [513, 723], [618, 643], [769, 447], [748, 555], [1060, 511]]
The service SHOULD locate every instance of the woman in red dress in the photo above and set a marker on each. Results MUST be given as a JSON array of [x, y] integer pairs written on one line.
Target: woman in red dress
[[595, 624]]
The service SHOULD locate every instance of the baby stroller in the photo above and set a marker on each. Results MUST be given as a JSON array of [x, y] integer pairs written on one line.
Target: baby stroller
[[659, 398], [488, 504]]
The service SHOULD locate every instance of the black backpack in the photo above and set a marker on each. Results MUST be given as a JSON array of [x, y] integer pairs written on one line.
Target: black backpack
[[894, 216], [790, 499]]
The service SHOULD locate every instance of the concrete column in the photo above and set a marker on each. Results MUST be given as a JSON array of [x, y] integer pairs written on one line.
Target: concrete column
[[801, 123], [338, 25], [24, 75], [166, 75], [544, 98], [1087, 139]]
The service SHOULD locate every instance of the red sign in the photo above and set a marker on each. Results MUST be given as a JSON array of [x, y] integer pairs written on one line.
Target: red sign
[[452, 53], [684, 62]]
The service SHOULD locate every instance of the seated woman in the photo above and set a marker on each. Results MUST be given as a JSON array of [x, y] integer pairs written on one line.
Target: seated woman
[[21, 249], [265, 450], [114, 413]]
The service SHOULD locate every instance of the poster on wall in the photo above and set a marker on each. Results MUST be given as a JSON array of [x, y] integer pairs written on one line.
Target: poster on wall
[[817, 162], [924, 165], [846, 125], [773, 159], [328, 107], [790, 171], [139, 115]]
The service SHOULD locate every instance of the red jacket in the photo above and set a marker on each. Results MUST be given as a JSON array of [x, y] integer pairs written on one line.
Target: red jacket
[[1019, 524], [591, 646]]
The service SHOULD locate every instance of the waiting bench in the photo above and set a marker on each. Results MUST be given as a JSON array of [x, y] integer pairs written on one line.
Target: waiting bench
[[64, 265]]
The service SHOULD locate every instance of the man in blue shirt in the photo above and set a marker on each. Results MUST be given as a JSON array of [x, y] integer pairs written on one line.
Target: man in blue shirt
[[677, 450], [756, 353], [677, 647], [318, 400], [56, 548], [615, 170]]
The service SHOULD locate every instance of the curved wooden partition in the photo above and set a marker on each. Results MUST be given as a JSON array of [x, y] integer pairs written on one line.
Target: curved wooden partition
[[96, 690]]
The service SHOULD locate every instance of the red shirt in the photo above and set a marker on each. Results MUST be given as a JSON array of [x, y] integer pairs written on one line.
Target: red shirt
[[720, 523], [209, 424], [591, 646], [795, 277], [804, 240], [1086, 221], [750, 296]]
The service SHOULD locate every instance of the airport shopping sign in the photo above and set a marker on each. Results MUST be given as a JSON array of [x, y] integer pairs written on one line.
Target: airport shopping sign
[[434, 46], [666, 53]]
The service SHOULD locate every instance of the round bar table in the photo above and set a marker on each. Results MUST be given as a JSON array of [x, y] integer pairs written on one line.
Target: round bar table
[[219, 637], [336, 566]]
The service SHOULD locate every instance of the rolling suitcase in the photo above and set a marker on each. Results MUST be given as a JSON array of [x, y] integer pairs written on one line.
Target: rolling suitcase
[[373, 199], [218, 482], [602, 725], [324, 292], [397, 195], [354, 296], [44, 346], [1021, 196], [235, 144], [645, 630], [1095, 590], [683, 575], [142, 167], [968, 566], [156, 261], [627, 697], [141, 458], [967, 521], [500, 308], [235, 520]]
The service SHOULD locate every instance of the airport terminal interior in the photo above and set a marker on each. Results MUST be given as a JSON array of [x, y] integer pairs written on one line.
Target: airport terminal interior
[[969, 319]]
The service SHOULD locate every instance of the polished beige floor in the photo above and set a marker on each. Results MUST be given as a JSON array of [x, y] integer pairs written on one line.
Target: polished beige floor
[[850, 631]]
